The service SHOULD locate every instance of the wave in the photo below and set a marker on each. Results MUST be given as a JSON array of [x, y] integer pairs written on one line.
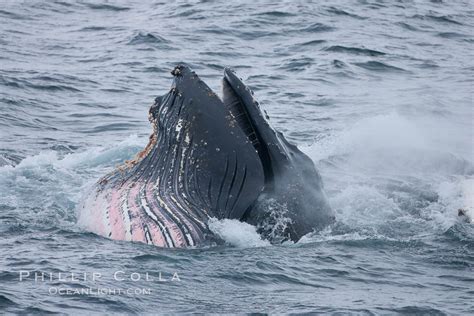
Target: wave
[[337, 11], [13, 15], [354, 50], [317, 27], [93, 157], [407, 26], [93, 28], [6, 302], [437, 18], [24, 83], [378, 66], [313, 42], [106, 7], [297, 64], [277, 14], [452, 35], [147, 38]]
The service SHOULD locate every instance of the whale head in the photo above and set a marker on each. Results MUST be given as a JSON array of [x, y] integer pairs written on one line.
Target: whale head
[[224, 158]]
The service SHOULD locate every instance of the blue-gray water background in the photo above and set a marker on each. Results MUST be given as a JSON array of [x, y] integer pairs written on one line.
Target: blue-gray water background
[[378, 93]]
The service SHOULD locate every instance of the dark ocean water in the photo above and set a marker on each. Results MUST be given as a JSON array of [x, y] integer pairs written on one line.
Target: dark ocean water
[[378, 93]]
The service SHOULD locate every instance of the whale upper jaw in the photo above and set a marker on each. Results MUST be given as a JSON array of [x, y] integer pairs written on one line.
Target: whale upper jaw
[[293, 187]]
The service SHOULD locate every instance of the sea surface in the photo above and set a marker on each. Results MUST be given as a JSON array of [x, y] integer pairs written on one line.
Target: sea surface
[[378, 93]]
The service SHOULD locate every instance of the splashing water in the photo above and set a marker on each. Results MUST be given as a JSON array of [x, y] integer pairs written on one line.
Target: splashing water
[[236, 233]]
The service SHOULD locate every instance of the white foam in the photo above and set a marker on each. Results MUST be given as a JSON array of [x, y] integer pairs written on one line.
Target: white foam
[[327, 235], [92, 156], [361, 163], [457, 194], [236, 233], [358, 206], [468, 198]]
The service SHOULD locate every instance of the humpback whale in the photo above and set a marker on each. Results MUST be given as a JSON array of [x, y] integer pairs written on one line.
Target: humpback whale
[[208, 157]]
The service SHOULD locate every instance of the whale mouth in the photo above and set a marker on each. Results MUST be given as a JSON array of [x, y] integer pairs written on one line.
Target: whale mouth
[[211, 157]]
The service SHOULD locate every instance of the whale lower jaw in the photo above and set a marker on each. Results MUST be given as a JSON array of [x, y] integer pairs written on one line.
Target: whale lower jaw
[[141, 211]]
